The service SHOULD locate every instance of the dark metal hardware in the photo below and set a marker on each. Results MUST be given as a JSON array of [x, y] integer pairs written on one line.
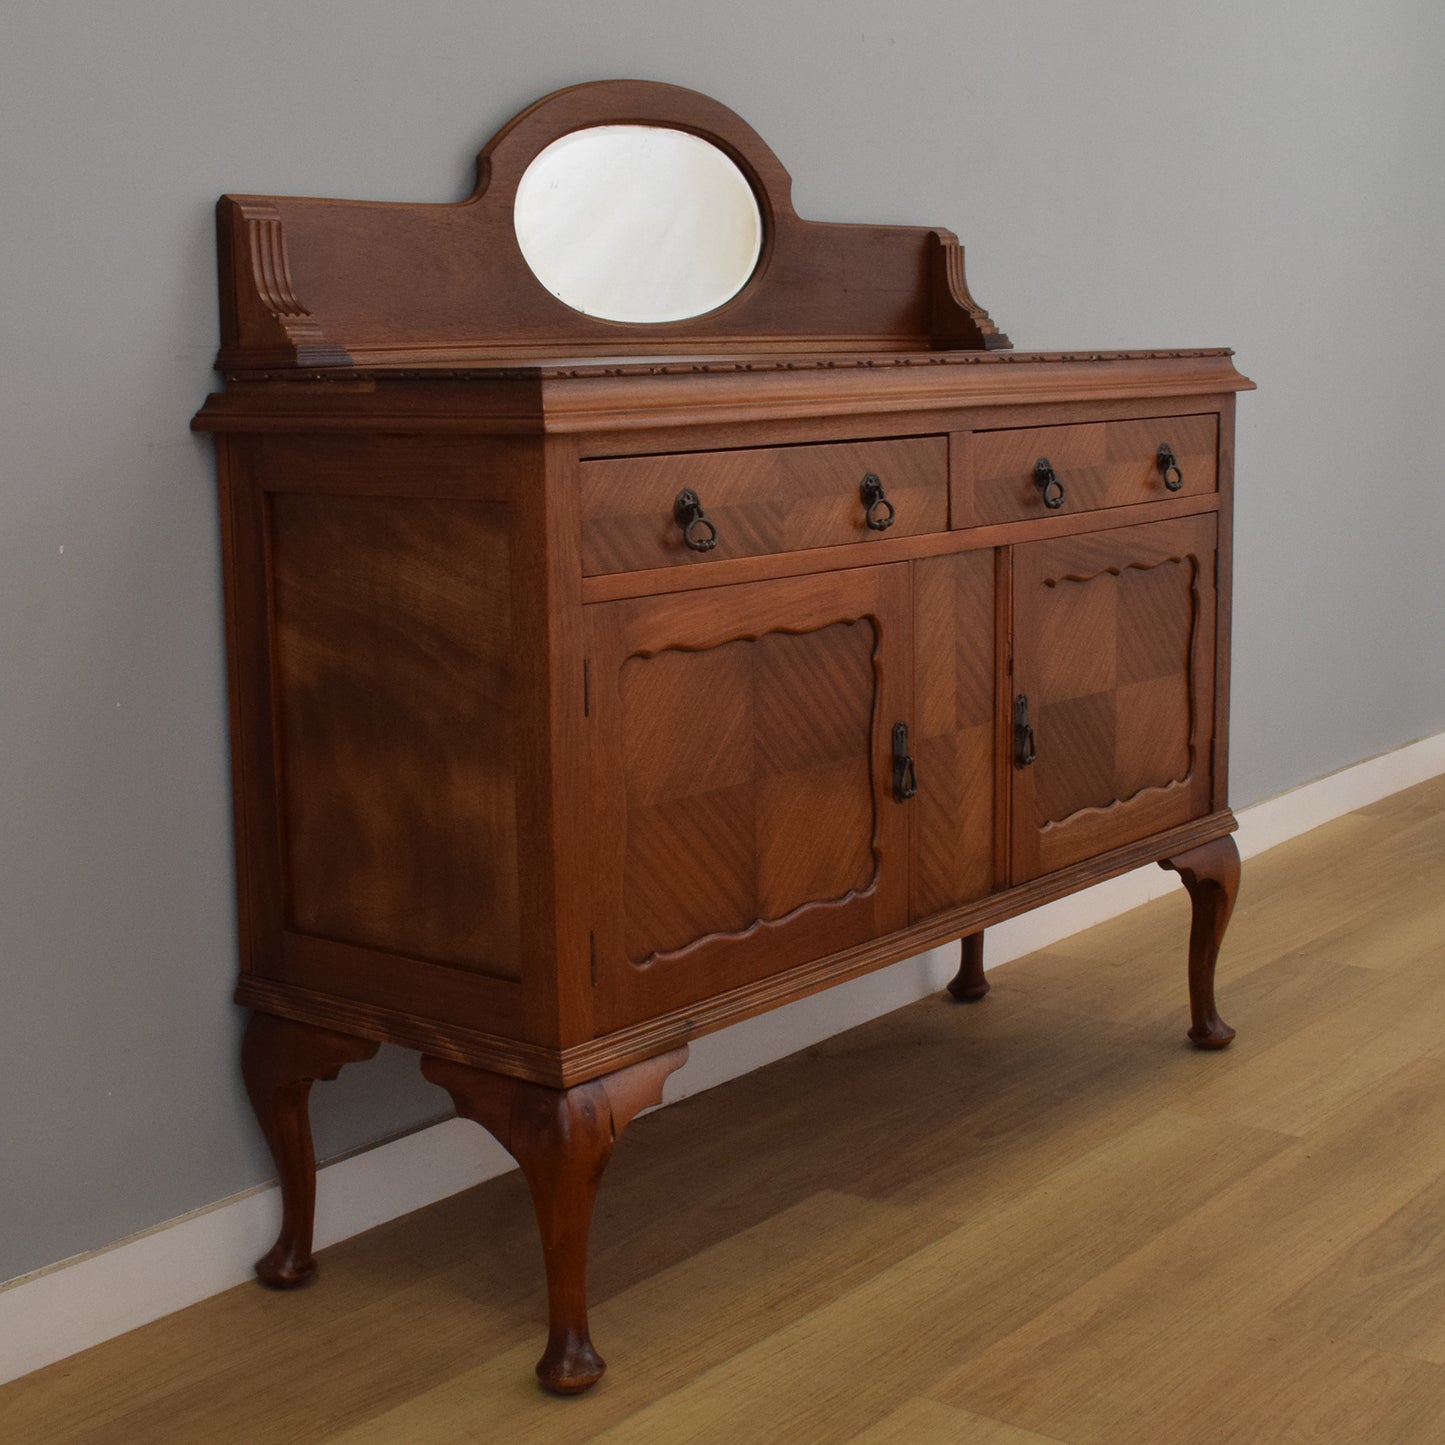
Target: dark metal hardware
[[1048, 483], [1025, 749], [1168, 464], [687, 509], [874, 497], [905, 778]]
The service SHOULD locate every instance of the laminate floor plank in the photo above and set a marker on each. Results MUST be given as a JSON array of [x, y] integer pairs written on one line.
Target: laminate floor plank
[[1386, 1291], [1395, 934], [214, 1352], [1419, 806], [1311, 929], [655, 1336], [896, 1331], [203, 1364], [924, 1089], [1119, 972], [1039, 1218], [1143, 995], [1275, 1384], [926, 1422], [1391, 1020], [1124, 1354]]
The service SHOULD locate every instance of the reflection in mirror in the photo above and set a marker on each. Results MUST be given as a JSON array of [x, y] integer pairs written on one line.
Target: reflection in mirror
[[638, 223]]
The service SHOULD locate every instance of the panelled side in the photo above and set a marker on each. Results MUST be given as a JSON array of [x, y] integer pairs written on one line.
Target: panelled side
[[377, 677], [392, 655]]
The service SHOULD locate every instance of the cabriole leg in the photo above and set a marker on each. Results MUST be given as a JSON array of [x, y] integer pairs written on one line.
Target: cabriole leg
[[280, 1060], [1211, 874], [562, 1139], [970, 985]]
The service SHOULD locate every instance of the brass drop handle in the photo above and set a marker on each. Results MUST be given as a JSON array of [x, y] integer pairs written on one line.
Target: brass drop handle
[[688, 512], [879, 511], [1168, 465], [1025, 748], [1047, 481], [905, 777]]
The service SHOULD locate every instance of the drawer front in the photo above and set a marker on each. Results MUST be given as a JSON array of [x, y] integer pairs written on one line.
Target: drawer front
[[767, 499], [1097, 464]]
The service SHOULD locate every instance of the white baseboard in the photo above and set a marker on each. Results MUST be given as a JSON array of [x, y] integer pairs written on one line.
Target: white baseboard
[[77, 1303]]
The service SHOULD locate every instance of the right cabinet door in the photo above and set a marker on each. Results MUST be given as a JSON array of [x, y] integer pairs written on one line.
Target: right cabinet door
[[1113, 689]]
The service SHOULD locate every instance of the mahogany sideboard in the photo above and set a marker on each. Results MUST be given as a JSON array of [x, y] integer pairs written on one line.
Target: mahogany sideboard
[[598, 683]]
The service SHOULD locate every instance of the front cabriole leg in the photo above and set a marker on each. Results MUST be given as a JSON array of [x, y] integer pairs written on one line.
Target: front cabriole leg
[[562, 1139], [1211, 874], [280, 1060]]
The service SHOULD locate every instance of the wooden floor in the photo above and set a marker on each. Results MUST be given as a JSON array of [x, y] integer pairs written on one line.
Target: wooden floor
[[1039, 1218]]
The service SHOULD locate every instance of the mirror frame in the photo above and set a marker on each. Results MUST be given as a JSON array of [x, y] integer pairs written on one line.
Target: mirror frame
[[320, 284], [507, 156]]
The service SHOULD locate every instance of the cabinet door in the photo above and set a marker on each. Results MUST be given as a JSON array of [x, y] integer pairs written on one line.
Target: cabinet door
[[743, 811], [1114, 652]]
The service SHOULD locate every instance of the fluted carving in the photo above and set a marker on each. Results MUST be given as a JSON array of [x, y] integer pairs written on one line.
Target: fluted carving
[[267, 322], [955, 318], [269, 265]]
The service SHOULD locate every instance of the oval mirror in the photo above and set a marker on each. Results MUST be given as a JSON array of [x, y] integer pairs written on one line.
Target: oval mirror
[[638, 223]]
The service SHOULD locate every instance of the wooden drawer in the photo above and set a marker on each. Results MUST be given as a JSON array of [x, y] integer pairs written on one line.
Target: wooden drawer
[[767, 499], [1098, 464]]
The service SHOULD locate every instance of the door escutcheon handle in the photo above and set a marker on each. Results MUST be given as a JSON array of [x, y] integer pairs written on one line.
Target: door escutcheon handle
[[905, 776], [1025, 748]]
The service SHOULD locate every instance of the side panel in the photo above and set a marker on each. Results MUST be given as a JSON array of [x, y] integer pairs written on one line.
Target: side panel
[[392, 646], [376, 682]]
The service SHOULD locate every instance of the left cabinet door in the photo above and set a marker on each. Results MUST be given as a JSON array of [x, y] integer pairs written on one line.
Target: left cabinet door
[[742, 756]]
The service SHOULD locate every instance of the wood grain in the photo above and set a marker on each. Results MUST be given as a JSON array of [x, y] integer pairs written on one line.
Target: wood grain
[[1301, 1209], [656, 581], [562, 1139], [1114, 650], [760, 500], [741, 751], [953, 732], [1211, 877], [280, 1060], [926, 1422], [393, 662], [1099, 464]]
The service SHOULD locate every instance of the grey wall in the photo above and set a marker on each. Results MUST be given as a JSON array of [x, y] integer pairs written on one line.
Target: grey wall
[[1128, 172]]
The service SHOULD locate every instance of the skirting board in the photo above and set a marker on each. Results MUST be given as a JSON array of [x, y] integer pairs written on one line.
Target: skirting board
[[70, 1306]]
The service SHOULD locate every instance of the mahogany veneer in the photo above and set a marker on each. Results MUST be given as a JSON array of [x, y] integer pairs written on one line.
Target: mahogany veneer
[[525, 782]]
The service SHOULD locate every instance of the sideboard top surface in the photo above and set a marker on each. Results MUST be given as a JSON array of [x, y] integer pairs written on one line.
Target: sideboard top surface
[[615, 394]]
